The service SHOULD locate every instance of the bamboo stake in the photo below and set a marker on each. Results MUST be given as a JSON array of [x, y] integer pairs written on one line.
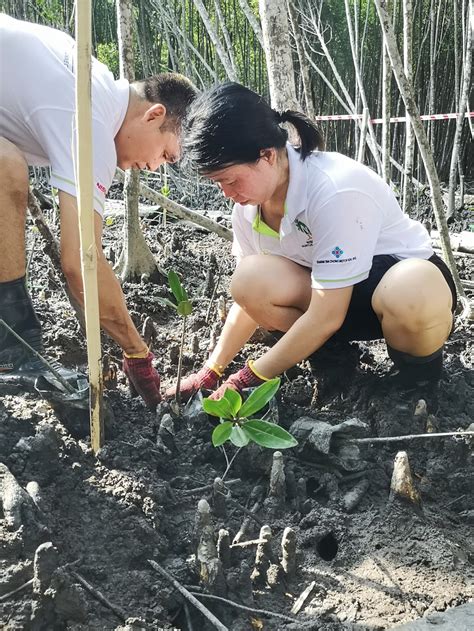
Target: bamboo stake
[[86, 217]]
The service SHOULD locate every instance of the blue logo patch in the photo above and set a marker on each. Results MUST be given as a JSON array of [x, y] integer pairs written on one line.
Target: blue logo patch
[[337, 252]]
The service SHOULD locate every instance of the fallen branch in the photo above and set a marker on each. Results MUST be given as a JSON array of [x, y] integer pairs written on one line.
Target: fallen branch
[[393, 439], [118, 611], [15, 591], [180, 211], [208, 487], [191, 597], [262, 612]]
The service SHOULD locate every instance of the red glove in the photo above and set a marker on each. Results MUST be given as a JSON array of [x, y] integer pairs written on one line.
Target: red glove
[[205, 379], [245, 378], [143, 378]]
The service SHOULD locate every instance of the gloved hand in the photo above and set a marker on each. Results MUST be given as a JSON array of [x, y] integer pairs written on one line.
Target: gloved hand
[[244, 378], [204, 379], [143, 378]]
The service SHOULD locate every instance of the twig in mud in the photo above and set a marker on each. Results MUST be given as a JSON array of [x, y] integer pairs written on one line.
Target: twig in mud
[[187, 613], [247, 544], [300, 601], [214, 291], [393, 439], [208, 487], [191, 597], [245, 510], [263, 612], [118, 611], [15, 591], [452, 502]]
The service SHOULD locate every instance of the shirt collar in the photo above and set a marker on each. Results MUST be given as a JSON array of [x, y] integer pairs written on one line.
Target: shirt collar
[[296, 196]]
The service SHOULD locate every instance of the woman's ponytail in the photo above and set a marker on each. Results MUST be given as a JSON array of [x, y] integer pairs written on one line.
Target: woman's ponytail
[[310, 136]]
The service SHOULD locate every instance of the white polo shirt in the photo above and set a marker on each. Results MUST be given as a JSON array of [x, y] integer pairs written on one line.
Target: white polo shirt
[[37, 104], [339, 214]]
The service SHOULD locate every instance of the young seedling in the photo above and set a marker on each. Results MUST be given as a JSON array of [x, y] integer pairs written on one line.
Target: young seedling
[[184, 307], [238, 426]]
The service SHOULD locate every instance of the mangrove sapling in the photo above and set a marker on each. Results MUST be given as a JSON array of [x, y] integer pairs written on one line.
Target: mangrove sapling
[[184, 308], [238, 426]]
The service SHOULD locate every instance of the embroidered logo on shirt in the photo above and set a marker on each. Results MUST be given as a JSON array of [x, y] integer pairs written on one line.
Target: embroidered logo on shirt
[[337, 252], [101, 187], [302, 227]]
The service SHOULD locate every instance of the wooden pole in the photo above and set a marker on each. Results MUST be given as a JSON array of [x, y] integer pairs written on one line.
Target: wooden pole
[[86, 217]]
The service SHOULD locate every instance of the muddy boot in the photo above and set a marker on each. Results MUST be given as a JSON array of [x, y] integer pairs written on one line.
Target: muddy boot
[[20, 369], [414, 372], [16, 310]]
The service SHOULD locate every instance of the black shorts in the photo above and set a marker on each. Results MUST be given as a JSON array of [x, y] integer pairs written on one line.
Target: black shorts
[[361, 321]]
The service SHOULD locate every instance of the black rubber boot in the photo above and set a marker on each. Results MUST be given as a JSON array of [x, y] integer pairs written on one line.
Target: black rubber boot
[[16, 309], [417, 371]]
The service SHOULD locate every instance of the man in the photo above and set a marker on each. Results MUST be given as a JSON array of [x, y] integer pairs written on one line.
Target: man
[[134, 125]]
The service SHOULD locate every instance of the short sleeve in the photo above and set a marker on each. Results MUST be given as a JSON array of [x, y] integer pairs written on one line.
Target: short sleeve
[[54, 130], [345, 231], [242, 244]]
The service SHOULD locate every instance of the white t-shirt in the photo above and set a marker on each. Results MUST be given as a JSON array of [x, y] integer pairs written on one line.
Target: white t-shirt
[[339, 214], [37, 104]]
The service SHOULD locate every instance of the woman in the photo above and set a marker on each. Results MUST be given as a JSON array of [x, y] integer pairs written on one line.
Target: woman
[[322, 248]]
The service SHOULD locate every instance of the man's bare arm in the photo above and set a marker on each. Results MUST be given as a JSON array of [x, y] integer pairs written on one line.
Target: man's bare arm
[[114, 316]]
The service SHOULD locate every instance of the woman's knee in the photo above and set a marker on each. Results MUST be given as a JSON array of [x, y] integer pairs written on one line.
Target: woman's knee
[[248, 278], [270, 279], [414, 293]]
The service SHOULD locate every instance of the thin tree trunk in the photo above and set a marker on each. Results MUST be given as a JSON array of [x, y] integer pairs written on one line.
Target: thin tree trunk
[[252, 20], [281, 75], [136, 258], [407, 92], [386, 93], [462, 108], [360, 82], [409, 138], [226, 35], [220, 50], [304, 70]]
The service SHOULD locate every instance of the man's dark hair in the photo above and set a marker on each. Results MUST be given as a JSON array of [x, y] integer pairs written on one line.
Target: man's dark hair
[[230, 124], [172, 90]]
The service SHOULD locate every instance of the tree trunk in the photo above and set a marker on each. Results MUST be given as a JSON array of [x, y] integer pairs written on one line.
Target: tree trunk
[[360, 83], [409, 138], [136, 258], [466, 83], [249, 14], [304, 70], [281, 76], [221, 52], [407, 92]]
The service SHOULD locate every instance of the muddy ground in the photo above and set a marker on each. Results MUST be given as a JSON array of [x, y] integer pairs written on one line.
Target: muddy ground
[[371, 564]]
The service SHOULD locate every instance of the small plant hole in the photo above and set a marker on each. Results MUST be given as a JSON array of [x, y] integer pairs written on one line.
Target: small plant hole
[[327, 547]]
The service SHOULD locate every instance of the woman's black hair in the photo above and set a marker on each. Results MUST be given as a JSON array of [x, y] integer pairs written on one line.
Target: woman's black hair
[[230, 124]]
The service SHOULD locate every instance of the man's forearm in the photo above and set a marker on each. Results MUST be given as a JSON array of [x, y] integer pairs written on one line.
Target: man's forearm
[[115, 319]]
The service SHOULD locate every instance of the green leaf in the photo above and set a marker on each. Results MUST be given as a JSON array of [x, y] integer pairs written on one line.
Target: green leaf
[[184, 308], [176, 287], [165, 191], [238, 437], [268, 434], [166, 302], [221, 433], [234, 399], [220, 408], [259, 397]]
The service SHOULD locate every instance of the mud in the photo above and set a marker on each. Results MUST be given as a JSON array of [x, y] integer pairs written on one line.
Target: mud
[[372, 563]]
